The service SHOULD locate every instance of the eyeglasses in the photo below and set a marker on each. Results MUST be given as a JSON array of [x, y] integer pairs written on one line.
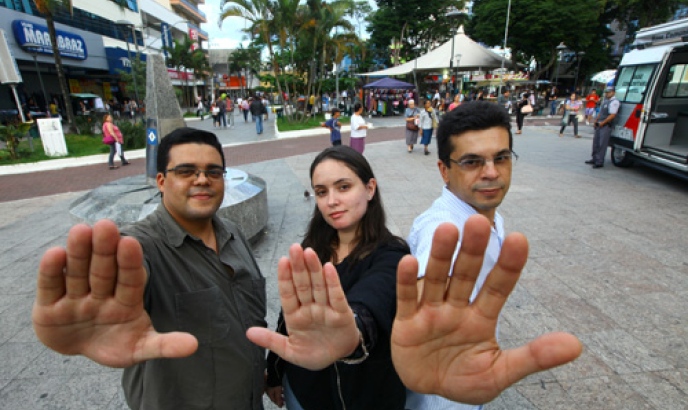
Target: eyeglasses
[[186, 171], [474, 163]]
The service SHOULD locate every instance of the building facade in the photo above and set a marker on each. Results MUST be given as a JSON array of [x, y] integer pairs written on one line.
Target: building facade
[[97, 41]]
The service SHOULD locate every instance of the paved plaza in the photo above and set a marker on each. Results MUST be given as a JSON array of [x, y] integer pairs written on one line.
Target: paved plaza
[[608, 262]]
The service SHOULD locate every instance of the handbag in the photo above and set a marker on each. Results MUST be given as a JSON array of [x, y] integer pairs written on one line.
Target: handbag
[[527, 109], [107, 138], [411, 125]]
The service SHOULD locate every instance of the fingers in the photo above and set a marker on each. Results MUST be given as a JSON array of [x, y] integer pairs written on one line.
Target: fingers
[[503, 277], [103, 264], [288, 297], [313, 266], [51, 282], [166, 345], [545, 352], [407, 290], [78, 260], [300, 275], [436, 272], [130, 275], [269, 340], [469, 262], [336, 299]]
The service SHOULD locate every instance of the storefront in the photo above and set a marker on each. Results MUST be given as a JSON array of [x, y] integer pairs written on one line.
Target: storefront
[[83, 59]]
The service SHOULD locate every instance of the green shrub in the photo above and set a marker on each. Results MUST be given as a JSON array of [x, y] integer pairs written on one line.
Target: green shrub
[[134, 134]]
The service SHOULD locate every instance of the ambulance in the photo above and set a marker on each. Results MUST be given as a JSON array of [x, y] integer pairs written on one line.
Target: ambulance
[[651, 126]]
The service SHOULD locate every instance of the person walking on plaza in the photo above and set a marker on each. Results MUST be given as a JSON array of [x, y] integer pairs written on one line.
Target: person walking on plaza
[[200, 109], [572, 108], [359, 129], [244, 109], [113, 137], [591, 102], [215, 112], [603, 128], [552, 97], [335, 128], [412, 115], [258, 110], [222, 116], [455, 103], [230, 111], [427, 121], [522, 111]]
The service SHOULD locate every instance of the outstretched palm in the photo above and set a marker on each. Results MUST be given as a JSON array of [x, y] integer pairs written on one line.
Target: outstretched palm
[[89, 301], [319, 320], [443, 344]]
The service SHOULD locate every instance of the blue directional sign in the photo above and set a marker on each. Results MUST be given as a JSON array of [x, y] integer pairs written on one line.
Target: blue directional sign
[[152, 136]]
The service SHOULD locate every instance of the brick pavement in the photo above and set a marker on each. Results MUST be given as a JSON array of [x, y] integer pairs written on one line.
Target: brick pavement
[[52, 182]]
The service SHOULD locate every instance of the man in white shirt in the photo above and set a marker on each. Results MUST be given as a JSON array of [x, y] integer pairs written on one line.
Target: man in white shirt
[[474, 145]]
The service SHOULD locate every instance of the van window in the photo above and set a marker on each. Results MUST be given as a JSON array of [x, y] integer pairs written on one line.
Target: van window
[[676, 84], [632, 82]]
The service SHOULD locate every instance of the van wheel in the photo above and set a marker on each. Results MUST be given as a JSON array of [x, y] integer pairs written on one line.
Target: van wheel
[[621, 158]]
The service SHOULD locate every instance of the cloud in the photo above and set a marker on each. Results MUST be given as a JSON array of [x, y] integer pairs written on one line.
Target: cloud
[[230, 35]]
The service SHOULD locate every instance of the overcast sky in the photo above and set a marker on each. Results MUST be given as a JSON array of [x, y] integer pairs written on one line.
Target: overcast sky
[[230, 35]]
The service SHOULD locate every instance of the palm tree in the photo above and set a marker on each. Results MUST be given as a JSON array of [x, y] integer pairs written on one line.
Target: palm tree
[[48, 8], [261, 14], [179, 57], [199, 65]]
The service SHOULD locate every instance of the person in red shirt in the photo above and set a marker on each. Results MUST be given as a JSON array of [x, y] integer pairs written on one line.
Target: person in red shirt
[[591, 102]]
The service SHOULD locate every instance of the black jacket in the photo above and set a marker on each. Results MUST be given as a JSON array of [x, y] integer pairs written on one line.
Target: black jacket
[[257, 108], [370, 288]]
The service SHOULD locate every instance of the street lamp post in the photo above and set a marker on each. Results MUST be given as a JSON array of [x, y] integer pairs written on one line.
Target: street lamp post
[[579, 57], [560, 48], [34, 53], [506, 35], [452, 14]]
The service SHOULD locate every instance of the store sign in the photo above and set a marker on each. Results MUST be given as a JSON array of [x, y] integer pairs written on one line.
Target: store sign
[[118, 59], [35, 38]]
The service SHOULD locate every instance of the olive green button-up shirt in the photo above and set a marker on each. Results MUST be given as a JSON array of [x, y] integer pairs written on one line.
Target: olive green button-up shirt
[[213, 296]]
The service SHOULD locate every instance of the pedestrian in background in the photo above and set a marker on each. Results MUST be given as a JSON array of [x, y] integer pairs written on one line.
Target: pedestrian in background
[[412, 115], [258, 110], [603, 128], [572, 108], [591, 102], [427, 122], [522, 111], [113, 137], [335, 127], [359, 129]]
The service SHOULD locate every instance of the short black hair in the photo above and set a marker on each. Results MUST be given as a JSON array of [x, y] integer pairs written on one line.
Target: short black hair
[[357, 106], [185, 135], [470, 116], [334, 111]]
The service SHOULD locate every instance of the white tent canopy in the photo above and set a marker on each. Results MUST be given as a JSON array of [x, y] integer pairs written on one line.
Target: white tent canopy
[[473, 57]]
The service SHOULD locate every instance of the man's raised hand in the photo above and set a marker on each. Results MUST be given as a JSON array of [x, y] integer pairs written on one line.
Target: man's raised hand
[[89, 301], [443, 344]]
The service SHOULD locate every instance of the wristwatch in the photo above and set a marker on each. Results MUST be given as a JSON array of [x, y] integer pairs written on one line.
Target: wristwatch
[[359, 355]]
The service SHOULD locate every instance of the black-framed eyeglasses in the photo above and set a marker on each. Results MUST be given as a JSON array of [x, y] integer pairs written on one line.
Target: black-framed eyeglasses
[[474, 163], [187, 171]]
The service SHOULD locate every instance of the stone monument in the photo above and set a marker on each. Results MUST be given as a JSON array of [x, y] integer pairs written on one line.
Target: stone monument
[[130, 199]]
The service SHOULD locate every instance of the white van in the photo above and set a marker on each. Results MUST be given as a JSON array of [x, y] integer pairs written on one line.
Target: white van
[[652, 86]]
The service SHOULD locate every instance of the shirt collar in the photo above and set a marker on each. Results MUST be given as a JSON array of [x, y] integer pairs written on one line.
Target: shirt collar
[[460, 205], [175, 234]]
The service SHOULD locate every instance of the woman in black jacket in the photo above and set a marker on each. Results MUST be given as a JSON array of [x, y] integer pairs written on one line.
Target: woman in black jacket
[[348, 238]]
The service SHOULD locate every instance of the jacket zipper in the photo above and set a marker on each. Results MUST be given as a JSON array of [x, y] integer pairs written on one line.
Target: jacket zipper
[[339, 387]]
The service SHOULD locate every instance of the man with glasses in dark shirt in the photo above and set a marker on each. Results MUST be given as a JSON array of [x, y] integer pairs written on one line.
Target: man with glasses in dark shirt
[[188, 271]]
